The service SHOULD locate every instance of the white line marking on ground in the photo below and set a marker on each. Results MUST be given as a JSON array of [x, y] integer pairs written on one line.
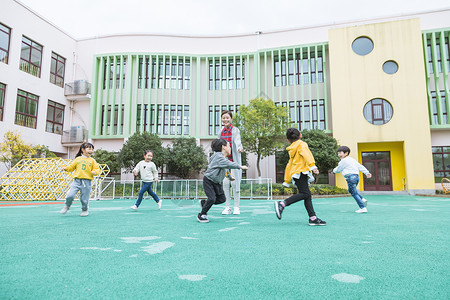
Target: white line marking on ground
[[95, 248], [367, 242], [244, 223], [188, 238], [133, 255], [347, 278], [157, 247], [227, 229], [136, 240], [192, 277]]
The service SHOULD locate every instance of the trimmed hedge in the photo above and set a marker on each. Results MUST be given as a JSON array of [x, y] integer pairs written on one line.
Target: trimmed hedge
[[316, 189]]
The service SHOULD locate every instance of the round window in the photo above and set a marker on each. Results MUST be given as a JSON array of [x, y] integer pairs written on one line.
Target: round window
[[378, 111], [390, 67], [362, 45]]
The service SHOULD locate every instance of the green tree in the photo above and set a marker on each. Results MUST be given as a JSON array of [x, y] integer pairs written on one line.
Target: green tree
[[186, 157], [13, 149], [132, 151], [109, 158], [42, 151], [262, 125]]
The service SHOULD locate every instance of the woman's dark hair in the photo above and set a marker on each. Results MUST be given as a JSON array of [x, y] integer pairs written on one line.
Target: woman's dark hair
[[84, 146], [344, 149], [227, 112], [292, 134], [217, 144], [147, 151]]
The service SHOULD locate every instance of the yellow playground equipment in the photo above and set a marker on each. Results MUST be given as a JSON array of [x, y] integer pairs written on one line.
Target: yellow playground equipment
[[41, 179]]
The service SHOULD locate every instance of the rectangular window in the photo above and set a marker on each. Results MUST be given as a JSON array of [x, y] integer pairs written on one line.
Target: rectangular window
[[172, 75], [116, 120], [55, 117], [438, 55], [441, 162], [31, 57], [57, 68], [114, 73], [2, 99], [304, 114], [186, 120], [5, 37], [442, 108], [302, 70], [26, 109], [226, 74]]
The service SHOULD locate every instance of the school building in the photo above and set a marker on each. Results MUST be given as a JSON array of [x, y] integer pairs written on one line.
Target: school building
[[379, 86]]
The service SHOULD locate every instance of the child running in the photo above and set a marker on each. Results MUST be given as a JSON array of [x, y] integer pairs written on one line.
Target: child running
[[214, 175], [148, 172], [85, 169], [350, 169], [301, 162]]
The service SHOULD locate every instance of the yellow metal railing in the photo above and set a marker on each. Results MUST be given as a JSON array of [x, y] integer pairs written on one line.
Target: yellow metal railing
[[41, 179]]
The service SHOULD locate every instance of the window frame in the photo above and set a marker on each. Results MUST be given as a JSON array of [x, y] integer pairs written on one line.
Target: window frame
[[52, 121], [58, 61], [26, 115], [5, 58], [445, 172], [2, 99], [25, 65]]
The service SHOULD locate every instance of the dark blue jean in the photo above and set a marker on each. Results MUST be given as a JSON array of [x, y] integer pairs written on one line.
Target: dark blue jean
[[352, 182], [146, 187]]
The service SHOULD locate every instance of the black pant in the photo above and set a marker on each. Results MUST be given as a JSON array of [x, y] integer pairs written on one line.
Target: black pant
[[303, 194], [214, 192]]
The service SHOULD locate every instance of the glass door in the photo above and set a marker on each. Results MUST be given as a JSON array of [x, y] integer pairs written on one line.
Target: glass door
[[379, 165]]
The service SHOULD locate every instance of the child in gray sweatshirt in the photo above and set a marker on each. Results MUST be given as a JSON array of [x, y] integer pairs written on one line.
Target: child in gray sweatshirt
[[214, 175]]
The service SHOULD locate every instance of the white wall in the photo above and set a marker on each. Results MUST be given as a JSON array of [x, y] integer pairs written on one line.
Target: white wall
[[24, 22]]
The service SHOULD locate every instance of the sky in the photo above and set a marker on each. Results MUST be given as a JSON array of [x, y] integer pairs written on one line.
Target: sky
[[88, 18]]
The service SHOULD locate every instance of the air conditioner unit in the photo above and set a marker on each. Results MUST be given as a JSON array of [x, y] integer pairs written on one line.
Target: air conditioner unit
[[76, 134], [79, 87]]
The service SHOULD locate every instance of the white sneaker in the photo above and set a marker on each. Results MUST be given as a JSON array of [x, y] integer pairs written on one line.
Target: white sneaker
[[84, 213], [65, 210], [226, 211], [159, 203], [134, 207], [236, 211], [361, 210], [364, 202]]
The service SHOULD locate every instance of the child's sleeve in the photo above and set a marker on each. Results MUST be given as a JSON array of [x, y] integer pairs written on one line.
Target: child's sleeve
[[155, 171], [287, 172], [224, 163], [339, 168], [136, 169], [363, 169], [96, 168], [72, 166]]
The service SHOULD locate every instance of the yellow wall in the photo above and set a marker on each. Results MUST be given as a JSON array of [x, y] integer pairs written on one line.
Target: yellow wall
[[356, 79]]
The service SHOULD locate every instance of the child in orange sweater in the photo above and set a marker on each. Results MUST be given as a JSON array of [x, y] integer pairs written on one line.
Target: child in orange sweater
[[301, 162]]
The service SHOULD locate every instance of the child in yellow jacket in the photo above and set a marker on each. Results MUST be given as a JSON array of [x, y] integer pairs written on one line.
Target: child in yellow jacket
[[301, 162], [85, 168]]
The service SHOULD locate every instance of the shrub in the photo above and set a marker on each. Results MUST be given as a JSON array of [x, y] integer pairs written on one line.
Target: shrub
[[316, 189]]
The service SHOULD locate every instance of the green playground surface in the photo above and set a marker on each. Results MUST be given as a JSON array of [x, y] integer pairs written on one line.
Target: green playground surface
[[399, 250]]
